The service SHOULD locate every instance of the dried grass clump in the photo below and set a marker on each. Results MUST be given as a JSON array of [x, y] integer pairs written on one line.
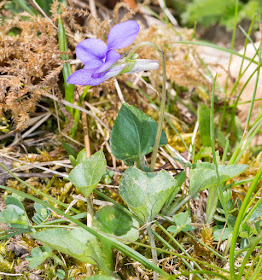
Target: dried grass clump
[[29, 64], [183, 65]]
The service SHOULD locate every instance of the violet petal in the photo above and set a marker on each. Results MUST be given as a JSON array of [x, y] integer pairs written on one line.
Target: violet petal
[[122, 34], [83, 77], [114, 71], [93, 65], [111, 57], [91, 49], [144, 65]]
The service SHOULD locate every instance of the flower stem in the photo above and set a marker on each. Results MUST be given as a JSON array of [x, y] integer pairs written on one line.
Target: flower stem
[[153, 245], [163, 99], [161, 115]]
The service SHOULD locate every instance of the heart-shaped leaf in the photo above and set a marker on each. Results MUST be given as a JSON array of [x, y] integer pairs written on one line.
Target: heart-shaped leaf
[[203, 175], [133, 135], [146, 192], [87, 174], [77, 243]]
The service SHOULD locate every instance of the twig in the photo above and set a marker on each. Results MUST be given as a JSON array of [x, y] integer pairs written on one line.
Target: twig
[[193, 141], [168, 13], [36, 166], [171, 149], [92, 6], [119, 92], [86, 135], [12, 275], [43, 13], [77, 108], [43, 118]]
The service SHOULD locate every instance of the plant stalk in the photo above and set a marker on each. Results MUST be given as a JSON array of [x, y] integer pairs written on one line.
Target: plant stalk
[[153, 245], [161, 116], [239, 220], [163, 98]]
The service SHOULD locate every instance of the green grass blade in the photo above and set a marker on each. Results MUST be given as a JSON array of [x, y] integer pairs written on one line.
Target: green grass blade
[[46, 196], [77, 112], [176, 254], [180, 247], [257, 268], [254, 91], [187, 273], [248, 254], [166, 118], [239, 219], [206, 44], [258, 256], [103, 237], [63, 48], [212, 136]]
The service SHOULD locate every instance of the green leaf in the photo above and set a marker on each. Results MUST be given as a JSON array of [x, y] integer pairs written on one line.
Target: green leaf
[[145, 192], [12, 200], [113, 220], [14, 214], [60, 274], [180, 179], [41, 215], [45, 5], [218, 233], [39, 255], [81, 156], [257, 213], [77, 243], [133, 135], [220, 138], [72, 160], [203, 175], [182, 219], [69, 149], [173, 229], [87, 174], [63, 47], [177, 229], [204, 124], [100, 277]]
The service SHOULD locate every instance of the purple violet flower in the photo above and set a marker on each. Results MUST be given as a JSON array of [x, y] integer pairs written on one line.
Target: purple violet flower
[[98, 56]]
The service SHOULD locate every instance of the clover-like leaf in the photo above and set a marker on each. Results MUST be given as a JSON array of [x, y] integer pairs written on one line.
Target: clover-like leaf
[[14, 214], [146, 192], [42, 213], [87, 174], [203, 175], [182, 221], [77, 243], [133, 135], [38, 255], [182, 218]]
